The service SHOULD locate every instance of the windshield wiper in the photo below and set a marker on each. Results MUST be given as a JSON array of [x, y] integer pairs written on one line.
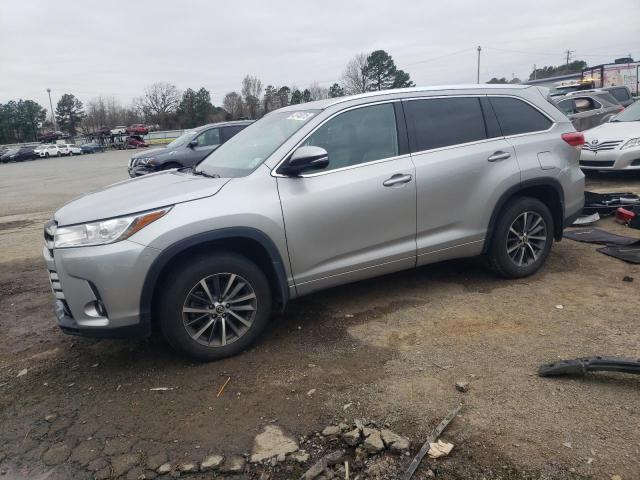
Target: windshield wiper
[[204, 174]]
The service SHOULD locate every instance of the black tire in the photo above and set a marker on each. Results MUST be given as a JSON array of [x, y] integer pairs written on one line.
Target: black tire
[[47, 155], [177, 287], [499, 258], [171, 165]]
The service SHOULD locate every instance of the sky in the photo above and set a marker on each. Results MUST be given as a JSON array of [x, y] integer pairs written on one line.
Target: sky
[[116, 48]]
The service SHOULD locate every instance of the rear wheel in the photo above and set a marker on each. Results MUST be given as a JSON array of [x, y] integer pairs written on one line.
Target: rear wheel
[[214, 306], [522, 238]]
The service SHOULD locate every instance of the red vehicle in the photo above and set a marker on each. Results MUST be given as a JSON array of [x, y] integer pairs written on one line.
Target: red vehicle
[[138, 129], [135, 141]]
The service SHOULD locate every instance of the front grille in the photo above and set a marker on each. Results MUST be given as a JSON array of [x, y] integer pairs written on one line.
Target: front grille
[[595, 163], [608, 145]]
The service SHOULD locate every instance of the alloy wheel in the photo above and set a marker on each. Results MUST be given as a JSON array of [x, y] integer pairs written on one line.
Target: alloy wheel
[[527, 238], [219, 309]]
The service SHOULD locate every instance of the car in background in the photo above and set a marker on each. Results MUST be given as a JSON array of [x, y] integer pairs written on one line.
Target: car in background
[[588, 109], [17, 154], [138, 129], [119, 130], [614, 145], [187, 150], [50, 136], [38, 148], [69, 149], [102, 131], [10, 155], [135, 141], [50, 151], [622, 94], [92, 147]]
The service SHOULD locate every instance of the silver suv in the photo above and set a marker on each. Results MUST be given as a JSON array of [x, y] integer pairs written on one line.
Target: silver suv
[[313, 196]]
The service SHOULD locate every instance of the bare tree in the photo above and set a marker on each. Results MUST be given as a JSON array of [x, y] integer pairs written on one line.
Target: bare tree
[[233, 104], [251, 90], [159, 101], [354, 78], [318, 92]]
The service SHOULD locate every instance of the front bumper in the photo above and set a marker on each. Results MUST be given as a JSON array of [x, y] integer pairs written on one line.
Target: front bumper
[[628, 159], [97, 289], [138, 170]]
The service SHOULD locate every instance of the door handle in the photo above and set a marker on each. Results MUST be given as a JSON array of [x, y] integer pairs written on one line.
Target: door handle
[[499, 155], [397, 179]]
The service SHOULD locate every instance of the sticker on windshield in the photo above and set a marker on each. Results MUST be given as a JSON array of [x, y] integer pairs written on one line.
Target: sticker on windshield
[[300, 116]]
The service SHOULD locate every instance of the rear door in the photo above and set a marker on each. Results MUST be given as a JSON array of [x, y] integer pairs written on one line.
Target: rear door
[[463, 166]]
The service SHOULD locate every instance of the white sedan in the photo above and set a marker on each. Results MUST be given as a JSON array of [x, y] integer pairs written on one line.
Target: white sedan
[[614, 145], [119, 130]]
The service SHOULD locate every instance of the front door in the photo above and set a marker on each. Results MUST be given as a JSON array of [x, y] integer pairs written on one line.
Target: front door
[[206, 143], [356, 218]]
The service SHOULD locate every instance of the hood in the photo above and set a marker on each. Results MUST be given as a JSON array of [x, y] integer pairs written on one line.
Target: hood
[[138, 194], [154, 152], [614, 131]]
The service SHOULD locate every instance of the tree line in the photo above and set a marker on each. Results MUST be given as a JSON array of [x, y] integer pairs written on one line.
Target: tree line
[[163, 105]]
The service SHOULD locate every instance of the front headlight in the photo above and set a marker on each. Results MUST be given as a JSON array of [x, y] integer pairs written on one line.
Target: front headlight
[[634, 142], [105, 231]]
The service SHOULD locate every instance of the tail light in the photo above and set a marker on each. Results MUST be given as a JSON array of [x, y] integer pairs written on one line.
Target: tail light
[[575, 139]]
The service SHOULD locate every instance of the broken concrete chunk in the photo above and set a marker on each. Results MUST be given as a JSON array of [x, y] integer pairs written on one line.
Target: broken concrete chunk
[[331, 430], [373, 443], [440, 449], [300, 456], [211, 463], [233, 464], [188, 467], [164, 468], [394, 442], [271, 443], [352, 437], [462, 386], [320, 466]]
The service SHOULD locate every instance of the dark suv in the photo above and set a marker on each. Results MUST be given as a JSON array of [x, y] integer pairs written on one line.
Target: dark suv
[[186, 150]]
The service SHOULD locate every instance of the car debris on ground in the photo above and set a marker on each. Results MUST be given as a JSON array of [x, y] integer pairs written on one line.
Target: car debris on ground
[[580, 366]]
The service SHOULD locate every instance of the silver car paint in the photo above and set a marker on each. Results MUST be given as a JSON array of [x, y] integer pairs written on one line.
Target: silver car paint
[[334, 226]]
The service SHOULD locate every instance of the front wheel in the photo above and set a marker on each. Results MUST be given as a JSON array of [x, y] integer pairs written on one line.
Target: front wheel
[[522, 238], [214, 306]]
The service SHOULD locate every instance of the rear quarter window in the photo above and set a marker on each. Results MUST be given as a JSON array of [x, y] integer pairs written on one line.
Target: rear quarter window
[[517, 116], [620, 94]]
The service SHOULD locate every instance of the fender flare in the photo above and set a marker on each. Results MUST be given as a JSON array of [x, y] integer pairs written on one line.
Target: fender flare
[[169, 253], [536, 182]]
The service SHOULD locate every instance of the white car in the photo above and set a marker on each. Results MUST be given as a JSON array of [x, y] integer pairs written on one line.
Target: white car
[[50, 151], [614, 145], [69, 149], [119, 130], [40, 148]]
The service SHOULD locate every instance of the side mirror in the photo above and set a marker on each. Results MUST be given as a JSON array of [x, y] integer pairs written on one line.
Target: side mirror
[[305, 159], [193, 143]]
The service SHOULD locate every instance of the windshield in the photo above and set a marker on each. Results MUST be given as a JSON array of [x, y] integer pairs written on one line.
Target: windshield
[[629, 114], [249, 148], [12, 150], [183, 139]]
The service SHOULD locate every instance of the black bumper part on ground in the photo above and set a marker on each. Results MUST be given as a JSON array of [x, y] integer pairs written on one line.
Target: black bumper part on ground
[[580, 366]]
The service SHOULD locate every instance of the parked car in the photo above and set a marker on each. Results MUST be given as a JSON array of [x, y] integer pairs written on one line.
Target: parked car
[[92, 147], [588, 109], [622, 94], [50, 151], [50, 136], [313, 196], [138, 129], [10, 155], [135, 141], [614, 145], [102, 131], [69, 149], [26, 153], [119, 130], [38, 148], [185, 151]]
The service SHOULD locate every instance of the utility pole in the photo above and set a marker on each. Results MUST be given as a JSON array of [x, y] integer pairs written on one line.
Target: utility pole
[[478, 76], [53, 118], [569, 52]]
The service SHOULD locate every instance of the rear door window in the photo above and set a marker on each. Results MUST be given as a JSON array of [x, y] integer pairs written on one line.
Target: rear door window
[[620, 94], [228, 132], [516, 116], [442, 122]]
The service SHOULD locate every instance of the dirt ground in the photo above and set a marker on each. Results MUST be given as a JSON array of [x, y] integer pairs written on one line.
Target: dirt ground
[[389, 350]]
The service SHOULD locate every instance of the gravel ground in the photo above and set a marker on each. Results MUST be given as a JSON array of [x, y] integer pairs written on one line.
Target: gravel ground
[[389, 350]]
